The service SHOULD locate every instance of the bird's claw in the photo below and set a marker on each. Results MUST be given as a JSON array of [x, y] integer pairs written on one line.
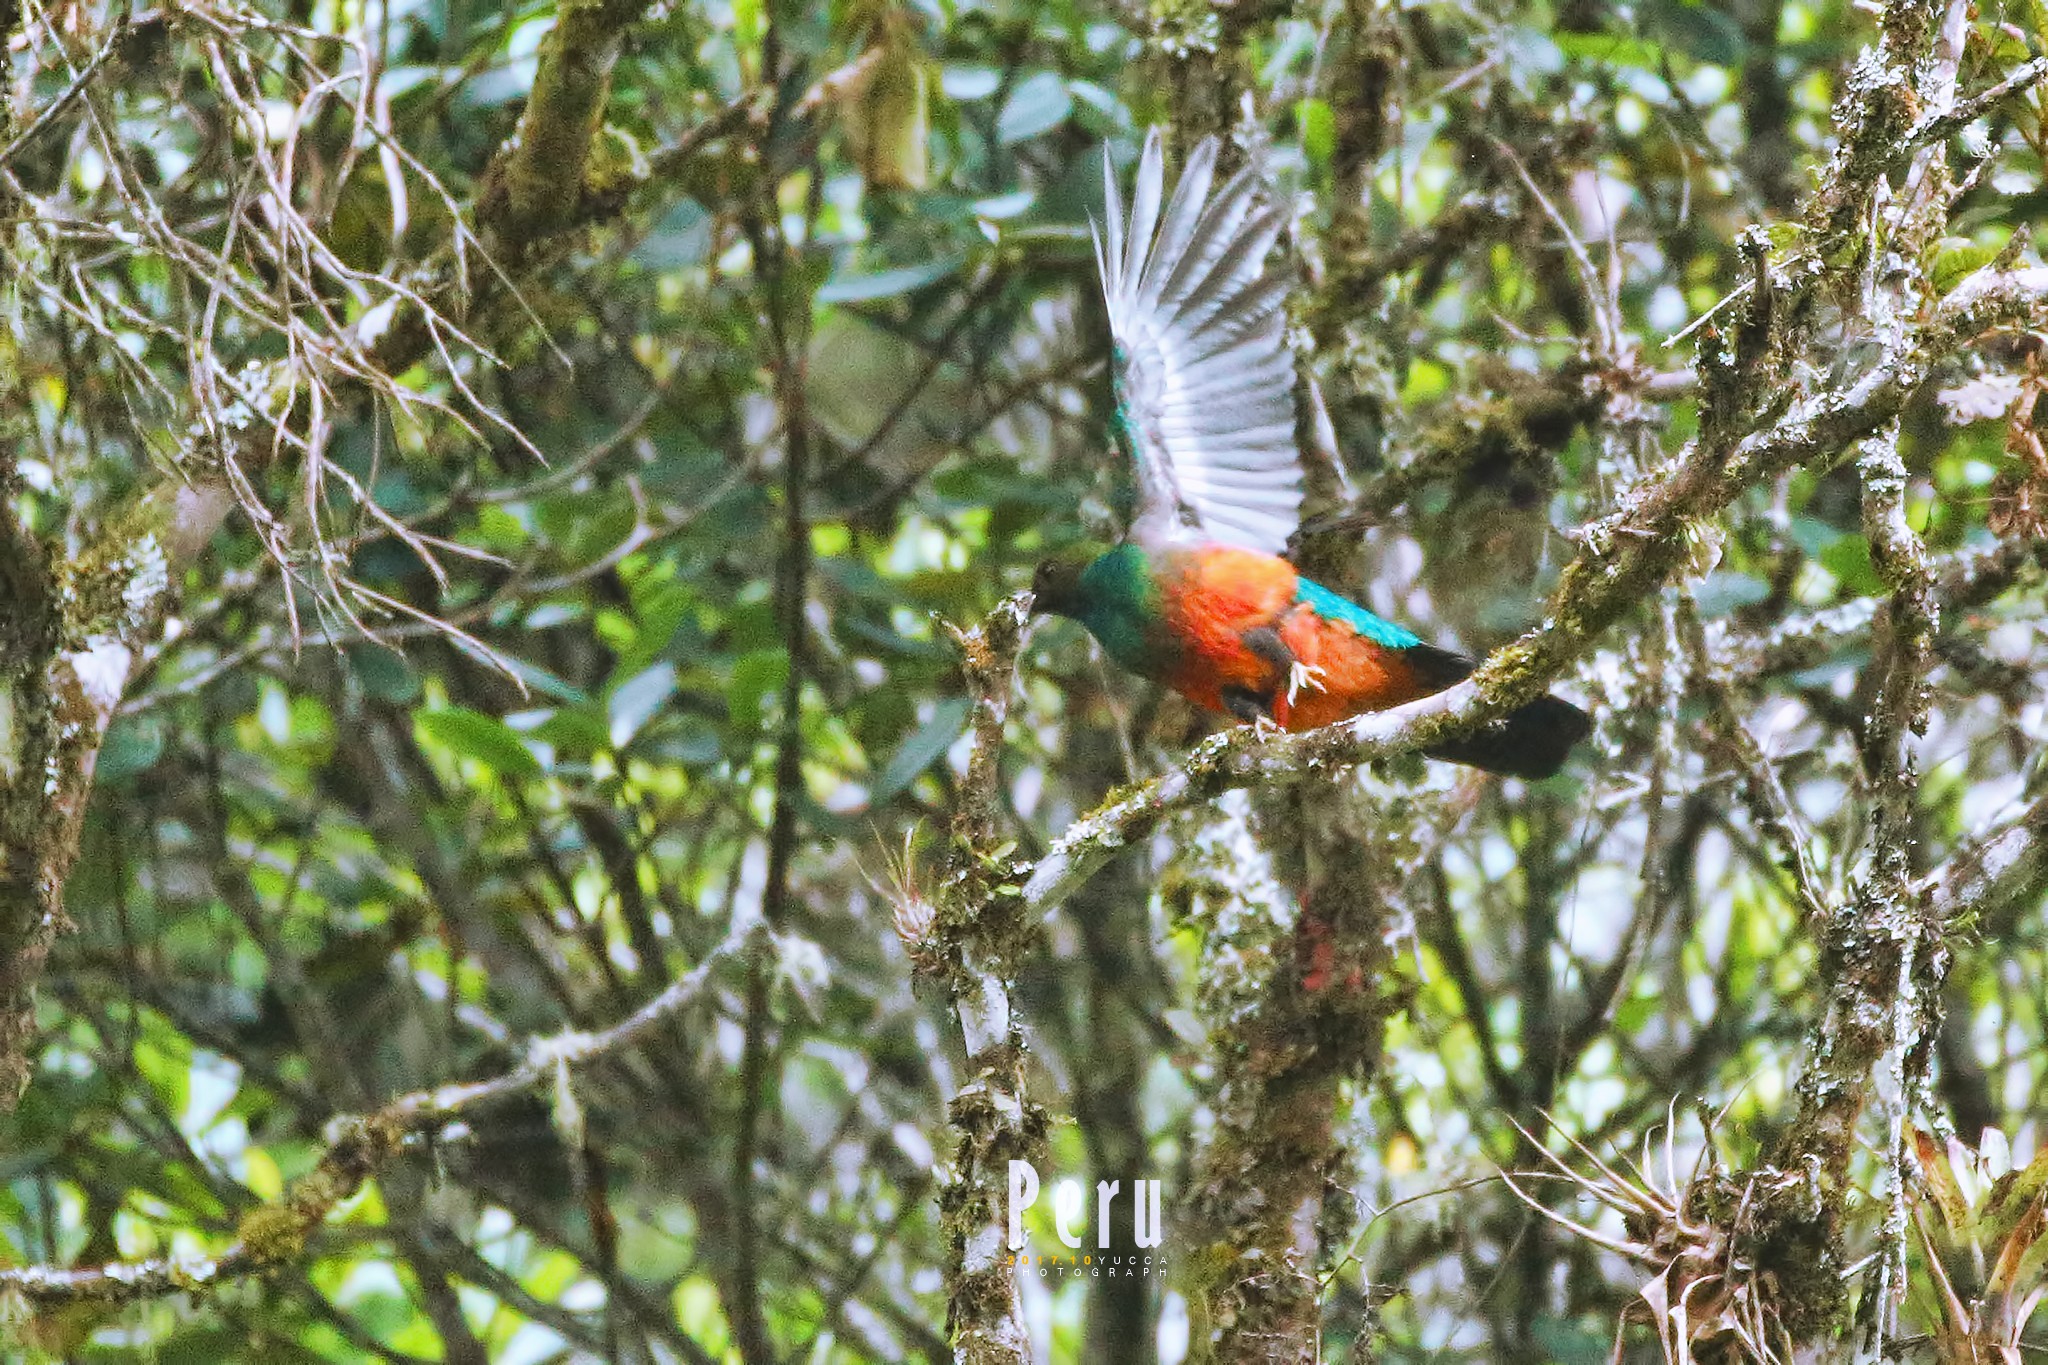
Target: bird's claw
[[1300, 675], [1265, 727]]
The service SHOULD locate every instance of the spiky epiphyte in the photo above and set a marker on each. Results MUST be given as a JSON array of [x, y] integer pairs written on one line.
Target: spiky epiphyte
[[910, 910], [1707, 1296], [1983, 1267]]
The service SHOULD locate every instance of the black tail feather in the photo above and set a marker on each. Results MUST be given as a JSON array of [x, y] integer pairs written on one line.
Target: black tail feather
[[1531, 743]]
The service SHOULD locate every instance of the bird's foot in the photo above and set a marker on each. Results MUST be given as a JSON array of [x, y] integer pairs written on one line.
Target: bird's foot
[[1300, 675], [1265, 727]]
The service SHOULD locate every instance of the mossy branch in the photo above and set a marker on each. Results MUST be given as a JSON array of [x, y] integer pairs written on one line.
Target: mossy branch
[[978, 932], [1295, 999], [69, 635], [82, 624], [1963, 581], [546, 166], [1755, 427], [272, 1235], [30, 909]]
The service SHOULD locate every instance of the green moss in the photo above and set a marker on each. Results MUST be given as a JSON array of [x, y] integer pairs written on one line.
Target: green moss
[[273, 1233], [615, 169], [541, 178]]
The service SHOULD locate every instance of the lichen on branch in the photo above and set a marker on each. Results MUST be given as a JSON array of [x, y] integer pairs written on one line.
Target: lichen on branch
[[979, 933]]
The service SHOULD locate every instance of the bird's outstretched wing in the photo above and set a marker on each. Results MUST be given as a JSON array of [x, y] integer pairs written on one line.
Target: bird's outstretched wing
[[1204, 378]]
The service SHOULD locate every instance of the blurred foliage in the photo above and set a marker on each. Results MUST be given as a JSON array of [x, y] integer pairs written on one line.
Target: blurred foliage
[[322, 871]]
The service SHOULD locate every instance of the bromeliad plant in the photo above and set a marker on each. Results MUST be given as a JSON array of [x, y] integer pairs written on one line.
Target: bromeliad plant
[[1706, 1293], [1983, 1239]]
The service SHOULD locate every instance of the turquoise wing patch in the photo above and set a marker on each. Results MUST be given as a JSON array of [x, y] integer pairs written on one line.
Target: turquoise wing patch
[[1331, 607]]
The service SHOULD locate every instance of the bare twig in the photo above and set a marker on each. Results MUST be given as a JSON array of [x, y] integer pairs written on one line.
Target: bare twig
[[81, 77]]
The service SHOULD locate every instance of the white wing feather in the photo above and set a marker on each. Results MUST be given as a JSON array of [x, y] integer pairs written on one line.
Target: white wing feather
[[1204, 376]]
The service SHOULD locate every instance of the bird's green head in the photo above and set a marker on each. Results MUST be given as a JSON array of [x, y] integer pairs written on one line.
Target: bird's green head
[[1111, 593]]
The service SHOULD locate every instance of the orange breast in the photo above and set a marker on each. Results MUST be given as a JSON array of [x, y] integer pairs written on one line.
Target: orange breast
[[1358, 675], [1212, 595]]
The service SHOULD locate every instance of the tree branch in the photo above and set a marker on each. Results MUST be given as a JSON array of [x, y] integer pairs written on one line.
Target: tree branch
[[68, 638], [115, 595], [1963, 581], [546, 167], [275, 1234], [978, 933]]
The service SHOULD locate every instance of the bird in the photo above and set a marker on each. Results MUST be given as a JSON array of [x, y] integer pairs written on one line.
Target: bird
[[1198, 597]]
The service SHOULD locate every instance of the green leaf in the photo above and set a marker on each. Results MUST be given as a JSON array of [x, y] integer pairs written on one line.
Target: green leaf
[[1634, 1014], [133, 745], [1956, 260], [484, 739], [638, 699], [384, 674], [754, 676], [659, 612], [542, 681], [1813, 535], [1567, 1342], [2015, 1193], [1612, 49], [1849, 560], [749, 21], [887, 284], [699, 1315], [661, 605], [165, 1060], [1111, 113], [576, 730], [1318, 132], [921, 750], [1700, 32], [1784, 236], [1039, 104], [589, 527]]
